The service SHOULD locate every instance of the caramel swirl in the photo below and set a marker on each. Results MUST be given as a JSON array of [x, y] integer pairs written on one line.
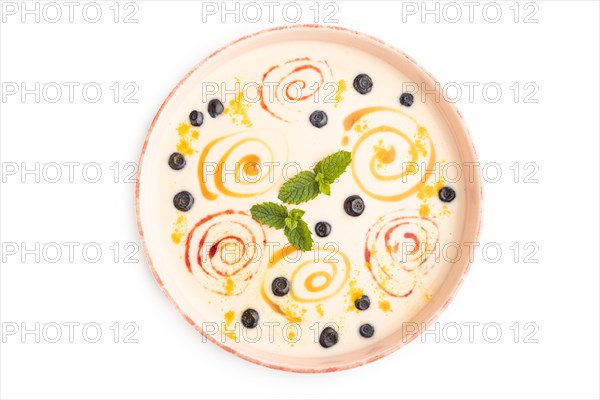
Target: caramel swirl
[[223, 251], [385, 156], [284, 87], [253, 167], [399, 248], [314, 276]]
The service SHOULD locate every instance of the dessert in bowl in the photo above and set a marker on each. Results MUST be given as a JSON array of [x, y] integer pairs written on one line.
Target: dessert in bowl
[[303, 202]]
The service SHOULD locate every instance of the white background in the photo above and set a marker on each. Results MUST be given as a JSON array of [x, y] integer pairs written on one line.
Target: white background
[[559, 133]]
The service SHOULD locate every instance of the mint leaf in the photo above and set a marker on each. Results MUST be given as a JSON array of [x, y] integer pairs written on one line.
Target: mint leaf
[[295, 216], [296, 213], [333, 166], [324, 185], [291, 223], [300, 236], [270, 214], [300, 188]]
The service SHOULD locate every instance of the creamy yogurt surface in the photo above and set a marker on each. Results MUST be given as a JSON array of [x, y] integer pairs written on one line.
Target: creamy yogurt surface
[[222, 262]]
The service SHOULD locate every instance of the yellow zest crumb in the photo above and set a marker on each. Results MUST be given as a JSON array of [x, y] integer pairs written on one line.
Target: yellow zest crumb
[[187, 137], [183, 129], [418, 147], [361, 126], [292, 314], [179, 228], [445, 211], [354, 293], [411, 168], [384, 154], [385, 306], [229, 316], [341, 88], [238, 109], [425, 193], [229, 286], [422, 133], [319, 309]]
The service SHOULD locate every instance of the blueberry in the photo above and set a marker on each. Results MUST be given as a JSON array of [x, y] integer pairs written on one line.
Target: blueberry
[[328, 337], [250, 318], [280, 286], [407, 99], [215, 107], [322, 229], [363, 303], [354, 206], [366, 330], [446, 194], [318, 119], [196, 118], [183, 201], [363, 83], [176, 161]]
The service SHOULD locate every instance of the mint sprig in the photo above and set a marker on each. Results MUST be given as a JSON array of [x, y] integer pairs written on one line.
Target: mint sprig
[[302, 187], [307, 185], [278, 217]]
